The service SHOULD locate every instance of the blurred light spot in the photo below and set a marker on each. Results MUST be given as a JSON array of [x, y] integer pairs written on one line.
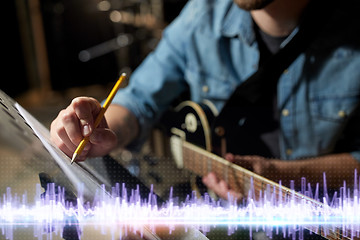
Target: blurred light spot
[[104, 6], [115, 16], [84, 56]]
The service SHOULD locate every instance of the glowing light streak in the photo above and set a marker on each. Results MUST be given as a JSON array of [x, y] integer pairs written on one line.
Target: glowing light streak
[[52, 212]]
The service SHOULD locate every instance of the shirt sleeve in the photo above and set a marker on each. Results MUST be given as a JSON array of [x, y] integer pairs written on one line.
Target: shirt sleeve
[[157, 82]]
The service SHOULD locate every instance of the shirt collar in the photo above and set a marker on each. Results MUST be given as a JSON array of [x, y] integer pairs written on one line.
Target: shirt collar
[[238, 23]]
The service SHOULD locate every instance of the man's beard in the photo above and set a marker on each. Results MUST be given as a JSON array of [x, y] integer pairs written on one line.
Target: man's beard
[[252, 4]]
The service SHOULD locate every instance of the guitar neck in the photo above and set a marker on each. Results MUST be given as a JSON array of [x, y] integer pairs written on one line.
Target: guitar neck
[[202, 162], [242, 180]]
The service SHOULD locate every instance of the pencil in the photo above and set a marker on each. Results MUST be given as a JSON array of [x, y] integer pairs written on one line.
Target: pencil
[[98, 119]]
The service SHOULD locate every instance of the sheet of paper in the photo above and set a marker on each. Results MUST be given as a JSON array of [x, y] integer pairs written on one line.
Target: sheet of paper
[[75, 173]]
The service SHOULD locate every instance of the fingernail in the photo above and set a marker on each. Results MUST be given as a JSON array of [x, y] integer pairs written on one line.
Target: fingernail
[[86, 130]]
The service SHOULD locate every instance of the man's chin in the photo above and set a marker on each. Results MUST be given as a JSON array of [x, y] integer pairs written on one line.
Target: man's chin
[[252, 4]]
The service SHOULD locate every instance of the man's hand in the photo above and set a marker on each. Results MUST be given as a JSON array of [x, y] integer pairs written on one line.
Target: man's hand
[[254, 163], [220, 187], [257, 164], [76, 122]]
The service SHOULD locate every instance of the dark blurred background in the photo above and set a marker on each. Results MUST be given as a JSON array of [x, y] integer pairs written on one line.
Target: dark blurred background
[[56, 45]]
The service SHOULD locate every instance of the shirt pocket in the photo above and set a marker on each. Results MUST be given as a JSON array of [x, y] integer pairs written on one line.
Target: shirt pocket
[[333, 108], [203, 86]]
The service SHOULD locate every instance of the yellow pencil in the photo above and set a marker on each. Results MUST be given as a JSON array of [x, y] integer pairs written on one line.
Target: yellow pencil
[[99, 117]]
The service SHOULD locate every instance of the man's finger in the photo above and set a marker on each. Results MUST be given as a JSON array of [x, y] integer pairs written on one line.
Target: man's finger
[[86, 110]]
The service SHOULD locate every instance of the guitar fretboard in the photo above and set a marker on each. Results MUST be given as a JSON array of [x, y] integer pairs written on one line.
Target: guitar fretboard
[[242, 180], [238, 178]]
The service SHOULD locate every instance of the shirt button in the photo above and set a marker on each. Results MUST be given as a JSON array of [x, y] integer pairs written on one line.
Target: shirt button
[[341, 113], [285, 112], [205, 88], [286, 71], [288, 151]]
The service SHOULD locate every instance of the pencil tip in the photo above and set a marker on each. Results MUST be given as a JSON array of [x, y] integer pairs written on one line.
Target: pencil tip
[[73, 158]]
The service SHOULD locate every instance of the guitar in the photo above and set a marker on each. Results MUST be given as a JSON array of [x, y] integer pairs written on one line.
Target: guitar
[[191, 147]]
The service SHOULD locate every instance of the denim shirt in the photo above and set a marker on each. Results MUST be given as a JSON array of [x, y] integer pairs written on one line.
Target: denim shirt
[[210, 48]]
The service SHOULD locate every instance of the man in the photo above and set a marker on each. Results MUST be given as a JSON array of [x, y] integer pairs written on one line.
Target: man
[[214, 46]]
